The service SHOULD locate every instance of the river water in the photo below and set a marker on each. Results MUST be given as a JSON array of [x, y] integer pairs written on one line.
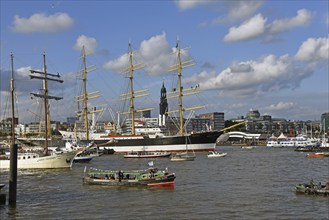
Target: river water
[[246, 184]]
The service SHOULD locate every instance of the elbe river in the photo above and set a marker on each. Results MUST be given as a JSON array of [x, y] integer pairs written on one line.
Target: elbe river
[[246, 184]]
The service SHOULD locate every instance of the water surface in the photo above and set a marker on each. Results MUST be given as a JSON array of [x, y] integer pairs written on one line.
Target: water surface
[[246, 184]]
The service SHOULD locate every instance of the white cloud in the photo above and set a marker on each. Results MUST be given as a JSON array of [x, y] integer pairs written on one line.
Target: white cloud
[[232, 10], [280, 106], [302, 18], [257, 27], [41, 22], [252, 78], [90, 43], [314, 50], [24, 72], [155, 53], [248, 30], [118, 64], [188, 4], [242, 9]]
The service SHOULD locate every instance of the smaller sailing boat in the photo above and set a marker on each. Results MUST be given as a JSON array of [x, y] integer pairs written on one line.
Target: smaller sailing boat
[[35, 160], [184, 156]]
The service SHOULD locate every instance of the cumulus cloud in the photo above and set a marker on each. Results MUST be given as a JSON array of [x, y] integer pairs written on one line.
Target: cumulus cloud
[[257, 27], [268, 74], [89, 43], [248, 30], [41, 22], [302, 18], [314, 50], [155, 53]]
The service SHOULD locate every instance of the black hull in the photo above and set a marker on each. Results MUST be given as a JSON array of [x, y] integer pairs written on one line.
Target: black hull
[[197, 138]]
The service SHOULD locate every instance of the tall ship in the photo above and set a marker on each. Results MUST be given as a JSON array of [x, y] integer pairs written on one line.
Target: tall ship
[[152, 139], [84, 129], [36, 160]]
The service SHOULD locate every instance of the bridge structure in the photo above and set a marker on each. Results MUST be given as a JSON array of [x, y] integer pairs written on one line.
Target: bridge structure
[[243, 135], [238, 137]]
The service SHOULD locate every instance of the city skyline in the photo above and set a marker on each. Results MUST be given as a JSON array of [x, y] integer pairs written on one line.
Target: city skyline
[[260, 55]]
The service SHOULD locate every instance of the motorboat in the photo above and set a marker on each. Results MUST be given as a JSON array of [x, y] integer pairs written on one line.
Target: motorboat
[[149, 177], [213, 154], [146, 154]]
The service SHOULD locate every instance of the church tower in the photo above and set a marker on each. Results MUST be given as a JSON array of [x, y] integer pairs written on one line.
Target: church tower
[[163, 106]]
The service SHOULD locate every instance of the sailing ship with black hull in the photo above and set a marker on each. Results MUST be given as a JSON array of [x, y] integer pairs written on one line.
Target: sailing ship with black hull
[[198, 141]]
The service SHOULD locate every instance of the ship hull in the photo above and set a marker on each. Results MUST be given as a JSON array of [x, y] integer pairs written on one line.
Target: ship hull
[[194, 142], [47, 162]]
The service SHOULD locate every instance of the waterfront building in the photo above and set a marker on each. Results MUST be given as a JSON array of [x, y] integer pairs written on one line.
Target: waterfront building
[[325, 122], [5, 125], [216, 120]]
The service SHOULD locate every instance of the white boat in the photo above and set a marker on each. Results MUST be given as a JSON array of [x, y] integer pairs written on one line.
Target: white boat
[[146, 154], [34, 160], [247, 147], [284, 141], [213, 154]]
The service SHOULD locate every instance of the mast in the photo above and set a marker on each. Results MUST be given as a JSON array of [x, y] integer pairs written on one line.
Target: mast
[[131, 77], [13, 146], [85, 98], [180, 95], [45, 77], [180, 92], [131, 95], [45, 90], [12, 89], [85, 95]]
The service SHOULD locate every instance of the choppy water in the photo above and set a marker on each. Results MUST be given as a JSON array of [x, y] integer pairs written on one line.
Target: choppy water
[[246, 184]]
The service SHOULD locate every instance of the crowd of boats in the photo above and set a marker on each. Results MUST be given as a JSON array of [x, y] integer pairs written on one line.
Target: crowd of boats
[[179, 147]]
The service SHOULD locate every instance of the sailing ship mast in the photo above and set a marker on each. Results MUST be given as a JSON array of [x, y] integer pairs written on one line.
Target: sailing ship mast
[[85, 95], [132, 94], [45, 77], [13, 147], [12, 89], [179, 93]]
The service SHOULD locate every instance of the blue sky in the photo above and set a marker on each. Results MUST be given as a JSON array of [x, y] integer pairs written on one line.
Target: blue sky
[[265, 55]]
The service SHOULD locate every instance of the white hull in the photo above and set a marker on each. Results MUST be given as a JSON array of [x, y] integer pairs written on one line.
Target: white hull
[[216, 154], [47, 162], [168, 148]]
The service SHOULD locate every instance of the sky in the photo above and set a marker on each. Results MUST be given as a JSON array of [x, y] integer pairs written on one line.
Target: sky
[[270, 56]]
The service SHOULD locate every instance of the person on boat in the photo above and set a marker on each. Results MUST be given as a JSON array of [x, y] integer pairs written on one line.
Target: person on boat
[[120, 175], [312, 184]]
